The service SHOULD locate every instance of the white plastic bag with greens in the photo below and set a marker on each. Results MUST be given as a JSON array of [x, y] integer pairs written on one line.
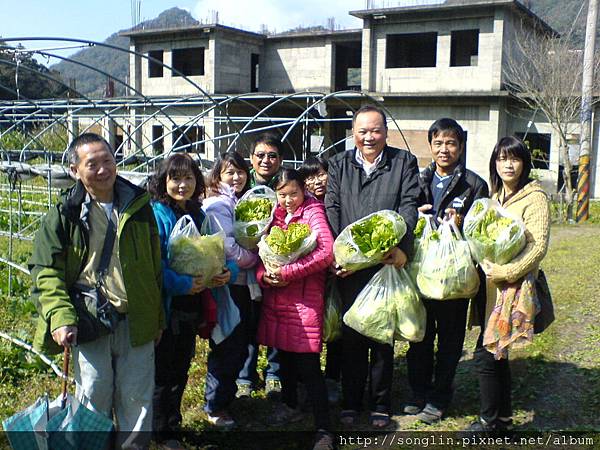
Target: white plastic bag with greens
[[388, 307], [253, 215], [194, 253], [373, 313], [447, 271], [281, 247], [411, 316], [422, 232], [365, 242], [332, 317], [492, 233]]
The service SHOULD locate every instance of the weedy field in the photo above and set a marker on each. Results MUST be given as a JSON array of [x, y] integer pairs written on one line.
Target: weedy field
[[556, 380]]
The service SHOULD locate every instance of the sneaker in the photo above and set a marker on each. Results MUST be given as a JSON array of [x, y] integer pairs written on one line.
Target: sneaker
[[333, 391], [324, 441], [413, 407], [273, 389], [430, 414], [244, 390], [482, 427], [282, 415], [220, 419]]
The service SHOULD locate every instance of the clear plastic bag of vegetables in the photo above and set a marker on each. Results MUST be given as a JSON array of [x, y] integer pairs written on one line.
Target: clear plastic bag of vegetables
[[447, 271], [411, 316], [332, 317], [364, 243], [281, 247], [196, 253], [492, 233], [253, 215], [422, 232], [373, 313]]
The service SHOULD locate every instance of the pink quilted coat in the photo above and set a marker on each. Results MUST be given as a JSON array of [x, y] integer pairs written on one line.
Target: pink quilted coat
[[292, 315]]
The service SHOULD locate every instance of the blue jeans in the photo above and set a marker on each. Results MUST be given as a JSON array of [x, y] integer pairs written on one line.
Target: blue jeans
[[250, 315]]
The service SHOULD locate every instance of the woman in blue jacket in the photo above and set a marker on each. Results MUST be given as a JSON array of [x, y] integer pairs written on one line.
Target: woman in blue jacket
[[176, 189]]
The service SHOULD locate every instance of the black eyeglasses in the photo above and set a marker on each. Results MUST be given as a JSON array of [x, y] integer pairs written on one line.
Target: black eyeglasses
[[270, 155]]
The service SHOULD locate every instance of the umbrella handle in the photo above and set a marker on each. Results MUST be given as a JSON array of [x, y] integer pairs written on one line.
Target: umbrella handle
[[66, 357]]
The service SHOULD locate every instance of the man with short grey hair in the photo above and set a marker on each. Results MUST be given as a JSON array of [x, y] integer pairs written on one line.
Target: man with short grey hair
[[96, 281]]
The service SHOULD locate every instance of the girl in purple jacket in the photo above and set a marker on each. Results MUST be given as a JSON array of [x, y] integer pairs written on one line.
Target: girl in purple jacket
[[293, 302]]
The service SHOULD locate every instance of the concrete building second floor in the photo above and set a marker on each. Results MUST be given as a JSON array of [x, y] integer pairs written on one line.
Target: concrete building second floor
[[453, 48]]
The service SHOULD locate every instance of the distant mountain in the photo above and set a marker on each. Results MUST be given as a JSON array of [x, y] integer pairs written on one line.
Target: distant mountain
[[558, 14], [114, 62]]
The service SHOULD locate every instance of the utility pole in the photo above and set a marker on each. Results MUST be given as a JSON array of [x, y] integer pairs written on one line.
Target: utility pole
[[583, 182]]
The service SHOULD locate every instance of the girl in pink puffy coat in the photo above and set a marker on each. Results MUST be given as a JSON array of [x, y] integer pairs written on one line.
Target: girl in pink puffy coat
[[293, 304]]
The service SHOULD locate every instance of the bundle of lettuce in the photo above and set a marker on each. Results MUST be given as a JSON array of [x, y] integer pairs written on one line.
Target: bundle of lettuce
[[281, 247], [332, 318], [194, 254], [491, 232], [253, 215], [388, 307], [423, 230], [365, 242], [411, 316], [447, 271]]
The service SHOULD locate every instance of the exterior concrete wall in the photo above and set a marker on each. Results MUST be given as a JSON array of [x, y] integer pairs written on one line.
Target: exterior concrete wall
[[479, 118], [485, 76], [233, 62], [169, 84], [296, 64]]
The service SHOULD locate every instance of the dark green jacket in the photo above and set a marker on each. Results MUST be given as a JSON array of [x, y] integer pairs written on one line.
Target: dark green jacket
[[271, 183], [61, 249]]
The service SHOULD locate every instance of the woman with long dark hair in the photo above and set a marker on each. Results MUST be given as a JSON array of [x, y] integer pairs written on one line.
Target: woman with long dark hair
[[510, 288], [228, 180]]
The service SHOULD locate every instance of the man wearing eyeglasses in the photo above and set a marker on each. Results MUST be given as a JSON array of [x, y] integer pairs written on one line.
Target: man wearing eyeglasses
[[266, 159]]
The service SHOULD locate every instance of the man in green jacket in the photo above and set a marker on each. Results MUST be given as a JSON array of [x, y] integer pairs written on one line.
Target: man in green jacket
[[114, 369]]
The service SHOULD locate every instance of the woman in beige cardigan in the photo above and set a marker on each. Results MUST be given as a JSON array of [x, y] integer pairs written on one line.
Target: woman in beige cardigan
[[504, 324]]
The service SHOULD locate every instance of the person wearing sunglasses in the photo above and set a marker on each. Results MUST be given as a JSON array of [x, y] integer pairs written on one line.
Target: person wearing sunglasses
[[266, 159]]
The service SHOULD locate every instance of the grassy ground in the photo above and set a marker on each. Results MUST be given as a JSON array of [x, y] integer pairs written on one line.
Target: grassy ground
[[556, 380]]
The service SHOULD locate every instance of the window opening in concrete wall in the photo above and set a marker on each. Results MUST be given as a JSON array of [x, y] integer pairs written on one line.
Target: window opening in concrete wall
[[347, 65], [464, 48], [188, 61], [254, 71], [119, 137], [188, 139], [155, 70], [539, 146], [158, 143], [411, 50]]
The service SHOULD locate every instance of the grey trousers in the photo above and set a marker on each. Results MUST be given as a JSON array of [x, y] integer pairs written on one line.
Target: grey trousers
[[118, 381]]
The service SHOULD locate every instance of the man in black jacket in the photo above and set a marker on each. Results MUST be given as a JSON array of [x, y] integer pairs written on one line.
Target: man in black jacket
[[447, 191], [367, 179]]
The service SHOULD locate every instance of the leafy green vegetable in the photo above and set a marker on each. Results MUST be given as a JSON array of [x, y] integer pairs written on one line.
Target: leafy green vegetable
[[410, 311], [492, 235], [284, 242], [447, 270], [374, 235], [363, 243], [253, 209], [197, 256], [332, 318], [388, 307], [420, 227]]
